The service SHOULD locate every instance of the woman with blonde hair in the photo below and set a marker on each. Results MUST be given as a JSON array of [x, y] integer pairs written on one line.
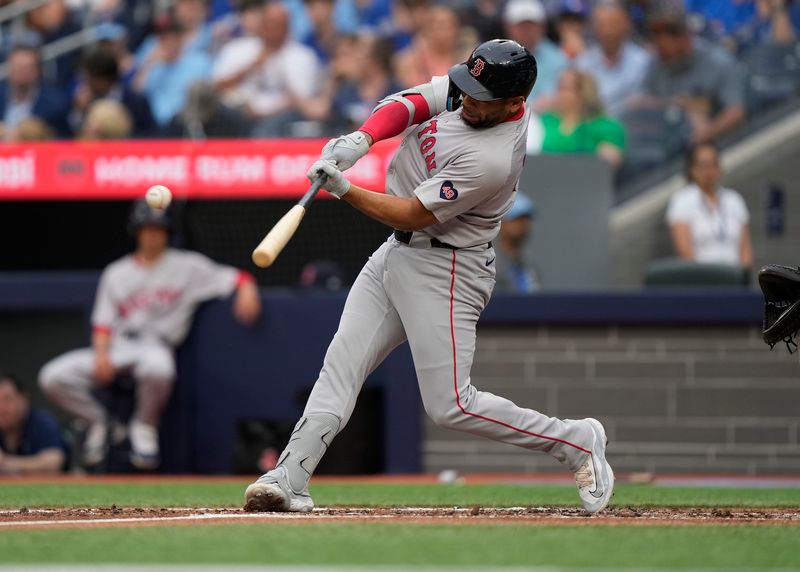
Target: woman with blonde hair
[[32, 129], [578, 123], [438, 45], [106, 119]]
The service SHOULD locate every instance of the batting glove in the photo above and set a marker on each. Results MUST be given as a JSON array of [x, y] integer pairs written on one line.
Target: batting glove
[[344, 151], [336, 184]]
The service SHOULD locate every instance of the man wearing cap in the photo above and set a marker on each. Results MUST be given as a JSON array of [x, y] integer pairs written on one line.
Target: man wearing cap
[[143, 309], [703, 79], [525, 22], [114, 38], [448, 187], [571, 27], [513, 273]]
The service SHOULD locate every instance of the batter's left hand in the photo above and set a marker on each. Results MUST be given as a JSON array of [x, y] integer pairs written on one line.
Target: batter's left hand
[[336, 184], [247, 305], [344, 151]]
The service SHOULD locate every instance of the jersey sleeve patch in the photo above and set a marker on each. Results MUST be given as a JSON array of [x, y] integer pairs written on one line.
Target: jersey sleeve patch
[[448, 192]]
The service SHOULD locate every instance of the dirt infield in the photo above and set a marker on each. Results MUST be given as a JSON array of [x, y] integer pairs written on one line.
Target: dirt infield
[[114, 516]]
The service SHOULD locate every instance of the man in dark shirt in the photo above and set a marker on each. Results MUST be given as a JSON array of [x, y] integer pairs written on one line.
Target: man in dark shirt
[[30, 439], [100, 78], [700, 78], [25, 94]]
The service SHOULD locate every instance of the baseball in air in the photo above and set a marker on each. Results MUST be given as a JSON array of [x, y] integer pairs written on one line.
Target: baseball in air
[[158, 197]]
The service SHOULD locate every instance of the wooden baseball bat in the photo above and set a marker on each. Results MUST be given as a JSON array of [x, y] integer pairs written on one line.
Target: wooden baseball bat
[[280, 234]]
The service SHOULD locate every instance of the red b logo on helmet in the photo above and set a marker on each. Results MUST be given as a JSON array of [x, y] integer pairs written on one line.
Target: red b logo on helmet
[[477, 68]]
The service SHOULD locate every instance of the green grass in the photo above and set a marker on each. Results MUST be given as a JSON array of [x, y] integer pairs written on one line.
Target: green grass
[[565, 546], [229, 494], [579, 547]]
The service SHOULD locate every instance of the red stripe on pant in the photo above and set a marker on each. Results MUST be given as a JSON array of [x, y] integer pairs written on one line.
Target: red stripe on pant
[[455, 375]]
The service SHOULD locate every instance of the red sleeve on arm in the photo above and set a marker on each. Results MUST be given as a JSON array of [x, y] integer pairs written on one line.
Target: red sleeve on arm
[[102, 329], [392, 119], [244, 278]]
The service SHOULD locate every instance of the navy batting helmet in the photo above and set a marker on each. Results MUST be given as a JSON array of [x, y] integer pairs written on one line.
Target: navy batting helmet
[[143, 214], [497, 69]]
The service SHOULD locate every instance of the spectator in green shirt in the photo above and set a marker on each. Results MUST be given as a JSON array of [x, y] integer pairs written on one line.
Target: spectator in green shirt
[[578, 123]]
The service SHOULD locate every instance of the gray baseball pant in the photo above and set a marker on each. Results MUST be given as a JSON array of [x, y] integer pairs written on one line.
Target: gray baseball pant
[[433, 297], [68, 380]]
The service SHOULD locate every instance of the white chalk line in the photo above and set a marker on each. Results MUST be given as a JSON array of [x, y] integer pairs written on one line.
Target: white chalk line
[[319, 514], [188, 517]]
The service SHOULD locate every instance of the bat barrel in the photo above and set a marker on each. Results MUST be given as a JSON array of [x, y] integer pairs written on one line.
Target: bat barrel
[[280, 234]]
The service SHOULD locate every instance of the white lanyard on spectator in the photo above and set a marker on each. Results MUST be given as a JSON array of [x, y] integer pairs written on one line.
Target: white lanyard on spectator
[[721, 230]]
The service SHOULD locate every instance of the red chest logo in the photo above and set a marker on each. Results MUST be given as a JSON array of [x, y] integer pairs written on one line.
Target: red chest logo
[[146, 299], [477, 68]]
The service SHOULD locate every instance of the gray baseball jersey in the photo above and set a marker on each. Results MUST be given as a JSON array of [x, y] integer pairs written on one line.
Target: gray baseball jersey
[[432, 296], [159, 300], [148, 310], [465, 177]]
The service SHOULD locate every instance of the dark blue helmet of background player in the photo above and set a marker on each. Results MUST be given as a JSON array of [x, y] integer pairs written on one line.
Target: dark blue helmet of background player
[[143, 214]]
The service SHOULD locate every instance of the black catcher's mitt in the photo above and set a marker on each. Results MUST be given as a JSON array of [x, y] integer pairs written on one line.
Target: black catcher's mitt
[[781, 288]]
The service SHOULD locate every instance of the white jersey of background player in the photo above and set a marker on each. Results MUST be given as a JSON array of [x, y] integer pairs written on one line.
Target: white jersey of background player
[[448, 187], [143, 309]]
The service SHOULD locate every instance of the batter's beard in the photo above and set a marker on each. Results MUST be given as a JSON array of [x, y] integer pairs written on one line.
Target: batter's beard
[[484, 123]]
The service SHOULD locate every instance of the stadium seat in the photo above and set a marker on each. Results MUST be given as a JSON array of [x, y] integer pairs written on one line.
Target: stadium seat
[[655, 135], [773, 74], [677, 272]]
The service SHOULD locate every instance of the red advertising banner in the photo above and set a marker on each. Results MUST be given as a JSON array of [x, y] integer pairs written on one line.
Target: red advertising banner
[[242, 168]]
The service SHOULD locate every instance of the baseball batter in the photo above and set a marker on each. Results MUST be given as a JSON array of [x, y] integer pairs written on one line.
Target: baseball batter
[[143, 310], [447, 189]]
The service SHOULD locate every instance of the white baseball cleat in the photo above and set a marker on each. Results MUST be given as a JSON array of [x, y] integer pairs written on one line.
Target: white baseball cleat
[[144, 445], [272, 493], [595, 479]]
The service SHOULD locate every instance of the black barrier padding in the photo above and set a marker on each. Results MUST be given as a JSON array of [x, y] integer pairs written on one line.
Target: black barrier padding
[[40, 235], [82, 235], [228, 231]]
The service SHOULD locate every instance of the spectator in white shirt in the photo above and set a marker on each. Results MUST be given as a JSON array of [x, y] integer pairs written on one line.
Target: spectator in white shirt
[[230, 71], [708, 222], [266, 75], [617, 63]]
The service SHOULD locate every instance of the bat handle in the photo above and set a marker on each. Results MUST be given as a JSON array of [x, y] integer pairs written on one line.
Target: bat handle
[[313, 190]]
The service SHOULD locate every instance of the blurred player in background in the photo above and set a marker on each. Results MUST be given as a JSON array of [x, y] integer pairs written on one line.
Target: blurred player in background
[[30, 439], [513, 273], [143, 310]]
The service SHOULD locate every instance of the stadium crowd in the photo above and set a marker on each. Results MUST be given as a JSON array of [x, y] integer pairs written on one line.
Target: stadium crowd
[[308, 68]]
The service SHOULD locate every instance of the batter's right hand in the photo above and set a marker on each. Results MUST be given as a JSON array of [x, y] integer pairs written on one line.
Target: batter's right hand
[[103, 368], [346, 150], [336, 184]]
